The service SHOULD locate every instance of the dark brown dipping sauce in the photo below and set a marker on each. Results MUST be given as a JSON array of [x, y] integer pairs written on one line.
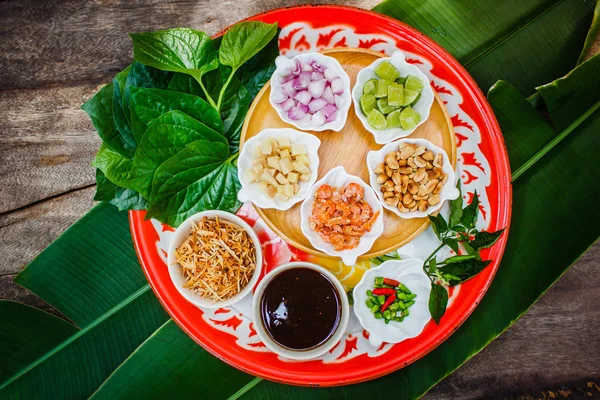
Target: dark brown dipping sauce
[[300, 308]]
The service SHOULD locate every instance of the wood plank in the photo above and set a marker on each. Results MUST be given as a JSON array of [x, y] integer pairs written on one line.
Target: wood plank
[[25, 233], [65, 41], [47, 143]]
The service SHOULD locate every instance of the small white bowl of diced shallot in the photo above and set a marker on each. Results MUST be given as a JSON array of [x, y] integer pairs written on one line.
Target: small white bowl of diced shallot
[[277, 167], [311, 91]]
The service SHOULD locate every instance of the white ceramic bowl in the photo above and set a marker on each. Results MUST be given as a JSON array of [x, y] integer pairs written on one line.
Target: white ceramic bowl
[[339, 177], [423, 105], [250, 191], [449, 190], [182, 233], [299, 354], [328, 62], [410, 273]]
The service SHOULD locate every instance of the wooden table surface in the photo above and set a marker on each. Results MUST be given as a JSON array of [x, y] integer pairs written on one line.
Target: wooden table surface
[[54, 55]]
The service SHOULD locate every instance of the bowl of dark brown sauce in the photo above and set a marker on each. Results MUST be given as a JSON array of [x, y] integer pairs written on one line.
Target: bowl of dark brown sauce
[[300, 310]]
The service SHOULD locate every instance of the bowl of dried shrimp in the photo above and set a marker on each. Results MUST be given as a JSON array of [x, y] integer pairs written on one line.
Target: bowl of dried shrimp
[[341, 216], [214, 259]]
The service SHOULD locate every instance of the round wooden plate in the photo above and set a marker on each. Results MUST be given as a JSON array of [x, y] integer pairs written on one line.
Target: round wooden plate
[[348, 148]]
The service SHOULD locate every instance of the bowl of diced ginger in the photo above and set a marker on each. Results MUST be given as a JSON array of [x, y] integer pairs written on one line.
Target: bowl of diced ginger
[[277, 167]]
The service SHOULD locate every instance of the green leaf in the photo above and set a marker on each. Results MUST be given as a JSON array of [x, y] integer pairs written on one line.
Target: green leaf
[[482, 35], [483, 240], [470, 250], [198, 178], [469, 214], [466, 269], [91, 275], [456, 208], [235, 104], [121, 118], [122, 198], [243, 40], [143, 76], [166, 136], [452, 243], [438, 224], [566, 97], [530, 131], [592, 35], [456, 259], [438, 300], [149, 104], [100, 110], [179, 50], [255, 73], [163, 366], [113, 165], [432, 266], [26, 334]]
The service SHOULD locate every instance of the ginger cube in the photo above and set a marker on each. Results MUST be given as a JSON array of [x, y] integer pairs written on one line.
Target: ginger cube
[[284, 142], [298, 148], [281, 197], [274, 162], [266, 148], [268, 178], [305, 177], [292, 177], [300, 167], [281, 179], [285, 153], [286, 165], [288, 190], [303, 158]]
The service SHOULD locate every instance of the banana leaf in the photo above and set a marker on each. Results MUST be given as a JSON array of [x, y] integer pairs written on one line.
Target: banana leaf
[[527, 43], [91, 275]]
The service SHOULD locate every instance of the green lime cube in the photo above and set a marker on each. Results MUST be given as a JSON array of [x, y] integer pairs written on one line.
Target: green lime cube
[[395, 95], [369, 87], [383, 107], [377, 120], [367, 103], [409, 118], [415, 101], [381, 90], [413, 83], [386, 70], [393, 119], [409, 97], [401, 81]]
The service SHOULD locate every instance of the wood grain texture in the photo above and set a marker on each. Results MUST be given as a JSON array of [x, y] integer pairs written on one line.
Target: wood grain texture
[[54, 55], [348, 148]]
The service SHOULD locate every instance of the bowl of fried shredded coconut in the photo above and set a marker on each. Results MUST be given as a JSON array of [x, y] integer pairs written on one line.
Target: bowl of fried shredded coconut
[[214, 259]]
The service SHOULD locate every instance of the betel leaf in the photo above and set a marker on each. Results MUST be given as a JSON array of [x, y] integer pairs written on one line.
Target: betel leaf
[[200, 177], [258, 70], [122, 119], [234, 106], [120, 197], [438, 300], [242, 41], [116, 167], [464, 269], [469, 214], [179, 50], [143, 76], [235, 103], [100, 110], [483, 240], [165, 137], [456, 208], [149, 104]]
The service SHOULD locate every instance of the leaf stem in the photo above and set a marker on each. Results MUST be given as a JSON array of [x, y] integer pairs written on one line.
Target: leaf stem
[[429, 258], [222, 92], [208, 98]]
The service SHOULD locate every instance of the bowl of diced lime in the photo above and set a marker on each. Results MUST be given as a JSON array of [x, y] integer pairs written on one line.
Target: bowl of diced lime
[[392, 98]]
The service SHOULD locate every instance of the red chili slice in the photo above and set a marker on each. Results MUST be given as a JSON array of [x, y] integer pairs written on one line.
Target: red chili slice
[[391, 282], [388, 301], [383, 291]]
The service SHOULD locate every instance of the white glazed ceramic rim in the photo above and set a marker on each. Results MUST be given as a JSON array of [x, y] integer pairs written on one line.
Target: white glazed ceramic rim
[[342, 115], [250, 191], [176, 275], [299, 354], [410, 273], [449, 190], [423, 106], [339, 177]]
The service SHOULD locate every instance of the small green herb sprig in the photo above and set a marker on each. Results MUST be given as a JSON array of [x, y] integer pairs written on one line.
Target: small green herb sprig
[[458, 231]]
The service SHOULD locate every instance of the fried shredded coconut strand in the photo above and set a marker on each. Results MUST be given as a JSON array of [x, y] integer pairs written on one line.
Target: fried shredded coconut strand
[[218, 259]]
